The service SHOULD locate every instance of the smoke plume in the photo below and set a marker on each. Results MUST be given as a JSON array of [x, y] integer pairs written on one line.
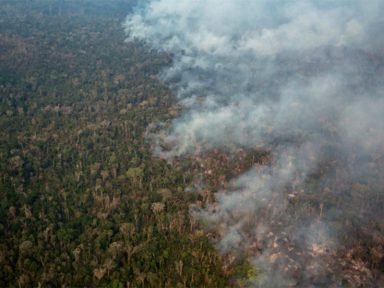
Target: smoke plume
[[304, 80]]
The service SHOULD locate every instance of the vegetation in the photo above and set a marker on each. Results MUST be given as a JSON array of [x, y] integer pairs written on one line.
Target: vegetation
[[83, 203]]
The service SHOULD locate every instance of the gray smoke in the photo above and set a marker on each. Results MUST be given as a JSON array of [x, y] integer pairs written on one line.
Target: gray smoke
[[302, 78]]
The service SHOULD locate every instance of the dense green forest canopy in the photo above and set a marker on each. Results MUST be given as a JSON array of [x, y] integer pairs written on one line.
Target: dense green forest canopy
[[82, 202]]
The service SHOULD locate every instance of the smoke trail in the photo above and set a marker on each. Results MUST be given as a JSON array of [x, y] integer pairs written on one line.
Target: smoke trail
[[303, 78]]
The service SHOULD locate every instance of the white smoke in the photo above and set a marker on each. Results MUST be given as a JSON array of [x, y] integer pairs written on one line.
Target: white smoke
[[303, 77]]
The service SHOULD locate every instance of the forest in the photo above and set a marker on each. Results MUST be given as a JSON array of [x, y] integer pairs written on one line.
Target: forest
[[84, 200], [83, 203]]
